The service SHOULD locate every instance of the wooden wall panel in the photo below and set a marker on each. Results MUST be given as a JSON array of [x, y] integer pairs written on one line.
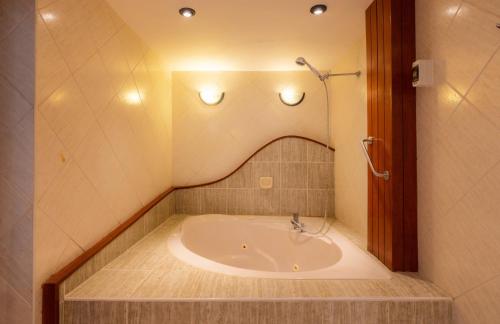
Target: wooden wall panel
[[392, 214]]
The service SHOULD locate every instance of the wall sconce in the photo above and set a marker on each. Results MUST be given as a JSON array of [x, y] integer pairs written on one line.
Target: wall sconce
[[291, 97], [211, 96]]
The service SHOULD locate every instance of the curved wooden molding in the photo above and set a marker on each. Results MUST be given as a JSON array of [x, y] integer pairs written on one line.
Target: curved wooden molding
[[251, 156], [50, 296]]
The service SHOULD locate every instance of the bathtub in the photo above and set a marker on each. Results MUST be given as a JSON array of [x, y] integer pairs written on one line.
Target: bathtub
[[267, 247]]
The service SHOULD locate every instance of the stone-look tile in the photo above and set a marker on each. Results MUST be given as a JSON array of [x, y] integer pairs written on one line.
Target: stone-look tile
[[266, 169], [271, 153], [492, 6], [17, 60], [479, 305], [266, 201], [51, 69], [95, 83], [240, 201], [471, 28], [293, 150], [187, 201], [80, 312], [151, 220], [319, 153], [13, 308], [293, 201], [485, 94], [243, 178], [275, 311], [213, 201], [294, 175], [320, 176], [222, 184], [317, 201]]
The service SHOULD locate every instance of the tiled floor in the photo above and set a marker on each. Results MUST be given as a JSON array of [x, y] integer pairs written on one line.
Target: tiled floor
[[153, 275]]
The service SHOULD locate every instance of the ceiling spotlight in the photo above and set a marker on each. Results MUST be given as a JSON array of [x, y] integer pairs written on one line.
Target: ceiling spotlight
[[187, 12], [318, 9]]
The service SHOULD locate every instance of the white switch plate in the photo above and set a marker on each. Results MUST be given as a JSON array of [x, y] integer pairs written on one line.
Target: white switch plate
[[266, 182]]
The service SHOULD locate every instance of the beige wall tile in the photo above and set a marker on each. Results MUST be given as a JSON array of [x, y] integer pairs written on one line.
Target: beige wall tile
[[187, 201], [243, 178], [319, 153], [51, 69], [266, 201], [293, 201], [97, 160], [294, 175], [95, 312], [485, 94], [471, 38], [13, 106], [271, 153], [113, 57], [16, 57], [213, 201], [68, 114], [293, 150], [266, 169], [95, 83], [318, 200], [320, 176], [13, 309], [479, 305], [239, 201], [68, 23]]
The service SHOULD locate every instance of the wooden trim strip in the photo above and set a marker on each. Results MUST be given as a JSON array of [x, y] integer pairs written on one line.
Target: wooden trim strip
[[251, 156], [50, 288]]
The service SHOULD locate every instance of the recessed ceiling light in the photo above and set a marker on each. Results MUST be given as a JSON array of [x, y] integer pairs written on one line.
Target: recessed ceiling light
[[187, 12], [318, 9]]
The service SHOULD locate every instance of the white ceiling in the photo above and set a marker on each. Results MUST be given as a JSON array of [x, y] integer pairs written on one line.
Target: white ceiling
[[246, 34]]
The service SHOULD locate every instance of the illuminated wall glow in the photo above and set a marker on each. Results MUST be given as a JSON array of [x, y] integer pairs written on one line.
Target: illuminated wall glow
[[211, 95], [291, 97], [133, 97]]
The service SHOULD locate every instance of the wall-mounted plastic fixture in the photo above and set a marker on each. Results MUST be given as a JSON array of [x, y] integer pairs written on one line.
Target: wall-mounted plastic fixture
[[211, 96], [423, 73], [291, 97]]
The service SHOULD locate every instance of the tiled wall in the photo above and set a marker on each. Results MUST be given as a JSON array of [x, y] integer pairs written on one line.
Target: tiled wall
[[103, 128], [458, 126], [349, 126], [16, 159], [302, 173], [209, 142], [154, 217]]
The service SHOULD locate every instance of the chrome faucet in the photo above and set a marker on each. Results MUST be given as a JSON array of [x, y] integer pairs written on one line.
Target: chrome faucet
[[297, 225]]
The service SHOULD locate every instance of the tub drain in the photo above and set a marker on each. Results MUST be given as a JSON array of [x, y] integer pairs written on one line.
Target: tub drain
[[296, 268]]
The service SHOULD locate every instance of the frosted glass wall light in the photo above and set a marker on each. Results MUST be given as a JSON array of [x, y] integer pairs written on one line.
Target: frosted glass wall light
[[211, 96], [291, 97]]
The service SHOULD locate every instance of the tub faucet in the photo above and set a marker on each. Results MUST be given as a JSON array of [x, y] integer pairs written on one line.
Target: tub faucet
[[297, 225]]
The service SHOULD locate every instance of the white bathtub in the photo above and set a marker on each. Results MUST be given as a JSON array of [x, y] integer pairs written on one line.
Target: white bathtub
[[266, 247]]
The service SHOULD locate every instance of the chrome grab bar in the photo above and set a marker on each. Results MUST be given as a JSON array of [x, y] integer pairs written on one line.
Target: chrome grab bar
[[383, 174]]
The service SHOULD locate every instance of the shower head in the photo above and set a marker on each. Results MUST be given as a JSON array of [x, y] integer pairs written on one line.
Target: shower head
[[302, 61]]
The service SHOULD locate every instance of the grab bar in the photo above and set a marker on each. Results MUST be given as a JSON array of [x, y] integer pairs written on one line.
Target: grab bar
[[383, 174]]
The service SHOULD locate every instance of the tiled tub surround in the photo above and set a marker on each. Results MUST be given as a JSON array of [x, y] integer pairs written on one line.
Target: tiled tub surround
[[302, 173], [161, 289]]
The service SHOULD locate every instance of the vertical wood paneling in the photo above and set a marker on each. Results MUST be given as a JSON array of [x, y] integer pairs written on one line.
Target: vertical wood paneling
[[391, 120], [369, 67], [380, 142], [373, 148]]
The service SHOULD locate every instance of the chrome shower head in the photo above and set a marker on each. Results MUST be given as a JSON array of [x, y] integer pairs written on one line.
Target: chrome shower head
[[302, 61]]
